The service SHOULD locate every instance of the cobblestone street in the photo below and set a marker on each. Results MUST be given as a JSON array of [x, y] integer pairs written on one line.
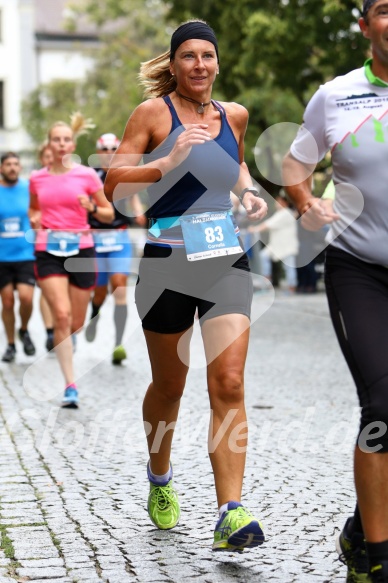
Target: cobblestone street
[[73, 484]]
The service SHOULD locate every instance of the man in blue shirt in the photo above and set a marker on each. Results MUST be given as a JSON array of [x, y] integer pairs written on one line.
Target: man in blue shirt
[[16, 253]]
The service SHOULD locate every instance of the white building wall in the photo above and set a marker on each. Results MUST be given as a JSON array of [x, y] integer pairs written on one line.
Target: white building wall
[[11, 136], [62, 64], [26, 62], [28, 66], [10, 63]]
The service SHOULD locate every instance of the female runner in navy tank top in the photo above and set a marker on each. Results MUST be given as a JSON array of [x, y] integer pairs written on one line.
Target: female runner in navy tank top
[[193, 156]]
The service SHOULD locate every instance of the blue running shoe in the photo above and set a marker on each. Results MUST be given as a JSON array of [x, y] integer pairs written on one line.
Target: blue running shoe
[[237, 529], [70, 398]]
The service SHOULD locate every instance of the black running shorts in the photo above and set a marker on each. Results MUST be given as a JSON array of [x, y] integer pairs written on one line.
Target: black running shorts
[[170, 288], [48, 265], [16, 272]]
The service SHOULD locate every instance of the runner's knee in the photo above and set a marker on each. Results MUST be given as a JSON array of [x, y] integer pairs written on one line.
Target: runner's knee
[[226, 386], [62, 319], [8, 303]]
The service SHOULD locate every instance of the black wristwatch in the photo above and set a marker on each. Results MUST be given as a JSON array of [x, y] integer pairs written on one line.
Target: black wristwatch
[[94, 209], [251, 189]]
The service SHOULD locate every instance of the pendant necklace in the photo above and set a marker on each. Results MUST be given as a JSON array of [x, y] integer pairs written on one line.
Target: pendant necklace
[[201, 106]]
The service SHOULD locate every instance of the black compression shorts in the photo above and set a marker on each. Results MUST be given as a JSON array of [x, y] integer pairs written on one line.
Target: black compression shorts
[[170, 289]]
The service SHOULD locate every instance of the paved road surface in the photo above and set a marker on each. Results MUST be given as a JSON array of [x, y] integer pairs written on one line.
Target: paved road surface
[[73, 484]]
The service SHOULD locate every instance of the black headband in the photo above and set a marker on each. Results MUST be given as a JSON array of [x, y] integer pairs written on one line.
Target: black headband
[[367, 5], [191, 30]]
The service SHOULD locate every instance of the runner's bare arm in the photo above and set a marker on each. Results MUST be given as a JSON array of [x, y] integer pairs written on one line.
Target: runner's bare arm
[[297, 178], [255, 206], [98, 206], [34, 212]]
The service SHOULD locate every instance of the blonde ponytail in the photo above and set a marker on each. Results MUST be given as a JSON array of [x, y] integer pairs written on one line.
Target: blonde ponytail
[[156, 78], [79, 125]]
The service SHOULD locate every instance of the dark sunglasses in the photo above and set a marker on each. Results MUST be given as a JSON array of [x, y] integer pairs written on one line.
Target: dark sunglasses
[[109, 149]]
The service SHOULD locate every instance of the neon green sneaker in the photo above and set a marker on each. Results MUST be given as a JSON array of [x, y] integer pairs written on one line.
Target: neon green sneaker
[[237, 529], [163, 505], [352, 552], [118, 355]]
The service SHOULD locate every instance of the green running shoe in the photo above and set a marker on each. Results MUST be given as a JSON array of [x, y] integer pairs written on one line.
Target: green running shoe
[[163, 505], [237, 529], [119, 354], [352, 552]]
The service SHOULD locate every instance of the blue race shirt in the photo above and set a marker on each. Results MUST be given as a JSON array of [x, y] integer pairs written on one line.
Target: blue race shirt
[[14, 223]]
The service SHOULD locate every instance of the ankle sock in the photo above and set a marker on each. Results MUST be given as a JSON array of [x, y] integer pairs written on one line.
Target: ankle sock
[[355, 525], [159, 480], [377, 552], [231, 505], [223, 508], [95, 311], [120, 315]]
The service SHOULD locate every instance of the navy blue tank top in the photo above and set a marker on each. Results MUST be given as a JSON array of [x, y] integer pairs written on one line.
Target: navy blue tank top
[[203, 181]]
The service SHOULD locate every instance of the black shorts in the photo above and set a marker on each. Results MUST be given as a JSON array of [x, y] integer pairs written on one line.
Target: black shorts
[[48, 265], [16, 272], [170, 289]]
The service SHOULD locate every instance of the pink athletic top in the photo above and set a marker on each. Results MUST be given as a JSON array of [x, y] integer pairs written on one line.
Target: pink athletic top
[[58, 201]]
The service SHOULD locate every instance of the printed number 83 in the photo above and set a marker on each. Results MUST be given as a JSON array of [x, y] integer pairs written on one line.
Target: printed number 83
[[215, 234]]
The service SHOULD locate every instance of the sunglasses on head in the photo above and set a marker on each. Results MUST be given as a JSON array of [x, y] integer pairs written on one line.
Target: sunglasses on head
[[113, 149]]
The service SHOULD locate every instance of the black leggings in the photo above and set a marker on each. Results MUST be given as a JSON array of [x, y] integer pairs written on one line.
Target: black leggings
[[357, 293]]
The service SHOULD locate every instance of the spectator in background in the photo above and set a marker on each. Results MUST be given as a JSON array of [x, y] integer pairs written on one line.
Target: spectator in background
[[282, 241]]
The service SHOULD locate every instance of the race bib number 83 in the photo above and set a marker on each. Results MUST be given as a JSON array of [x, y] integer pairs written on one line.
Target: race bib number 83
[[209, 235]]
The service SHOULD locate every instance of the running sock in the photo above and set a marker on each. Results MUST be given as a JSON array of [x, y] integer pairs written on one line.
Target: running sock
[[225, 506], [95, 310], [160, 480], [377, 552], [356, 524], [120, 319]]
